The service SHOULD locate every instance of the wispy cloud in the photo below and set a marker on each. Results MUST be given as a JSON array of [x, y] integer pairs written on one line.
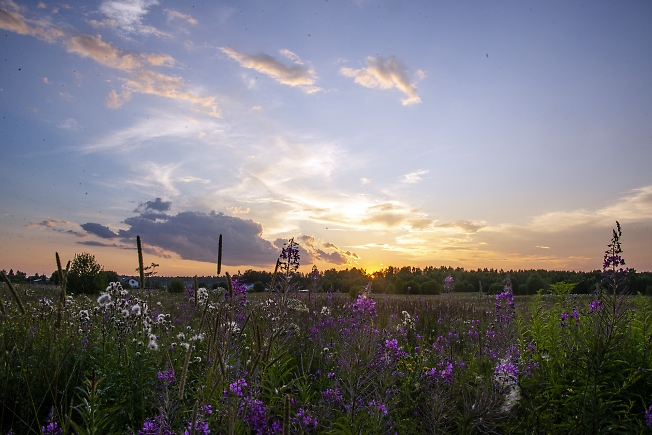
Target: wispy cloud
[[128, 15], [385, 73], [15, 22], [297, 75], [140, 77], [112, 57], [156, 179], [172, 14], [414, 176]]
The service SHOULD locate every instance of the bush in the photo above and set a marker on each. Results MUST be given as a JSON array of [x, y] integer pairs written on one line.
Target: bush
[[259, 287], [85, 275], [431, 288], [176, 286]]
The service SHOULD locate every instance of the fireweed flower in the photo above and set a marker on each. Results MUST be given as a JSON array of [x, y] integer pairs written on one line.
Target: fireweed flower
[[52, 426], [449, 284], [595, 306], [365, 306], [506, 377], [648, 417], [236, 387], [304, 419]]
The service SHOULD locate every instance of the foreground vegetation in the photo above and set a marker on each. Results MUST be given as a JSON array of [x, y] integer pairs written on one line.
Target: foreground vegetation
[[228, 362]]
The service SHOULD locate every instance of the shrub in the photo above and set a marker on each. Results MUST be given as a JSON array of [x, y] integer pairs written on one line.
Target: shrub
[[176, 286]]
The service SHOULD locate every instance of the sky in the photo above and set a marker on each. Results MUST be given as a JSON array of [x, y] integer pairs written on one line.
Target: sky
[[506, 135]]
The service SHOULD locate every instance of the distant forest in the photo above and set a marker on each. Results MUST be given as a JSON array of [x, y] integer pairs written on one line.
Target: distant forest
[[413, 280], [404, 280]]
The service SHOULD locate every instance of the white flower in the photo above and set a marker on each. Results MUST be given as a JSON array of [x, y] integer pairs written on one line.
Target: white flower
[[135, 310], [104, 299], [160, 318], [153, 345], [181, 336], [125, 313], [325, 311]]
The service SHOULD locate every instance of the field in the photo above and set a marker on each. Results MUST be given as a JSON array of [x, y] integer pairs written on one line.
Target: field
[[228, 362]]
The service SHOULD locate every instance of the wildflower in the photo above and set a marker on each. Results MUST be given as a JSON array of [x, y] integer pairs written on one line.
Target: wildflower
[[236, 387], [332, 396], [449, 284], [52, 426], [104, 299], [325, 311], [365, 306], [379, 406], [135, 310], [595, 306], [648, 417], [304, 419]]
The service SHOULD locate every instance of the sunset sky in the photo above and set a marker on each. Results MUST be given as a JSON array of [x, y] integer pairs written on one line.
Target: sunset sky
[[507, 134]]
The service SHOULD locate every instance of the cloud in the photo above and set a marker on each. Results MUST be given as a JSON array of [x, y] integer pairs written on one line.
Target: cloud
[[69, 124], [157, 205], [128, 15], [99, 244], [190, 179], [15, 22], [140, 78], [175, 14], [56, 225], [195, 235], [99, 230], [414, 177], [48, 223], [385, 73], [317, 250], [111, 56], [365, 181], [636, 205], [296, 75], [466, 226], [115, 100], [151, 82], [238, 210]]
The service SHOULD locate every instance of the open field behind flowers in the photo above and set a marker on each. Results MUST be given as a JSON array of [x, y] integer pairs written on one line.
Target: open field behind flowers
[[281, 362]]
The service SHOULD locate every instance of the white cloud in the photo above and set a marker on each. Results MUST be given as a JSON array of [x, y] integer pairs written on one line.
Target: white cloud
[[69, 124], [128, 14], [414, 177], [365, 181], [385, 73], [296, 75]]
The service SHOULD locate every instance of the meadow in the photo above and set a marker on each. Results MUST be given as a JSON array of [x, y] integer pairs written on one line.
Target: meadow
[[222, 361]]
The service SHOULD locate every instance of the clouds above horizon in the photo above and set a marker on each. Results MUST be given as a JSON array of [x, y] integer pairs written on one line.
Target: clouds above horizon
[[299, 74], [140, 77], [194, 236], [385, 73]]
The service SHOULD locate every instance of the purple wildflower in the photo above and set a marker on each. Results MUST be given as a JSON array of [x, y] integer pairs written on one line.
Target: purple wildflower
[[648, 417], [236, 387], [595, 306], [449, 284], [365, 306]]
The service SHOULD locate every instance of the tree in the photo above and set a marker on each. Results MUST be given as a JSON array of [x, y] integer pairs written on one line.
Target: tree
[[111, 276], [176, 286], [534, 283], [85, 275]]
